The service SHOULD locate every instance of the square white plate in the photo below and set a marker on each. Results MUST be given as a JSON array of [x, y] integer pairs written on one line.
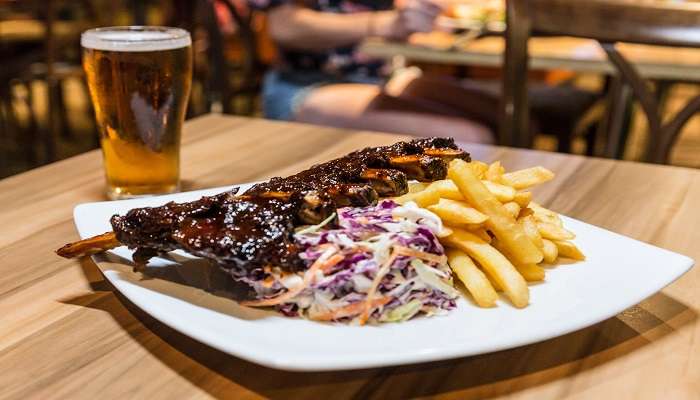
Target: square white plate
[[619, 272]]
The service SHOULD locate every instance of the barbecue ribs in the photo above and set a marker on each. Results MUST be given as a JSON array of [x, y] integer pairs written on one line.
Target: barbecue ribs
[[250, 230]]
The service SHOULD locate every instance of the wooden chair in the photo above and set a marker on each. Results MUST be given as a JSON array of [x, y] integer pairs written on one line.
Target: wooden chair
[[53, 57], [608, 22], [235, 79]]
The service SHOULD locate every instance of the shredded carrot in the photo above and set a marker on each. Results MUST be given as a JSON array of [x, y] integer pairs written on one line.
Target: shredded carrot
[[350, 310], [309, 277], [331, 258], [407, 251], [332, 262], [368, 303], [268, 282]]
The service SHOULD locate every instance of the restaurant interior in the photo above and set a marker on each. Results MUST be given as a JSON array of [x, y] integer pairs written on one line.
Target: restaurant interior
[[361, 199], [576, 94]]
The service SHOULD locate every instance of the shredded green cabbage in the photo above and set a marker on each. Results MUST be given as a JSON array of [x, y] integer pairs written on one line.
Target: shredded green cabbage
[[432, 279], [314, 228], [404, 312]]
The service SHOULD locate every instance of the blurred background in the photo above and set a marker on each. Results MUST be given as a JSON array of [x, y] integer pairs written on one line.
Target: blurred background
[[46, 114]]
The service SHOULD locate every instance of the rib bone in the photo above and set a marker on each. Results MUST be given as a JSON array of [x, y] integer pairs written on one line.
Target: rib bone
[[93, 245]]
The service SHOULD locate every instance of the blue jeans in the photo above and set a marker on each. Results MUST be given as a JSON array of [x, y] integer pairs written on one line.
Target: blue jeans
[[284, 92]]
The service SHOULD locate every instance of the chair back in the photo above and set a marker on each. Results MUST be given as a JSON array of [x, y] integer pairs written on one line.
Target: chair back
[[238, 78], [607, 21]]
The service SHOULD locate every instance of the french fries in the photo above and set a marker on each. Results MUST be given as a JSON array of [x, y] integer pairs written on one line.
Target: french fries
[[503, 193], [473, 278], [530, 227], [531, 272], [448, 190], [494, 283], [483, 234], [495, 235], [523, 199], [569, 250], [495, 172], [495, 263], [423, 198], [554, 232], [513, 208], [544, 215], [415, 187], [500, 222], [526, 178], [457, 212], [550, 251], [479, 168]]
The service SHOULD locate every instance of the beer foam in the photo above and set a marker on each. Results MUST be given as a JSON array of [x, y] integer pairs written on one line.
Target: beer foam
[[135, 39]]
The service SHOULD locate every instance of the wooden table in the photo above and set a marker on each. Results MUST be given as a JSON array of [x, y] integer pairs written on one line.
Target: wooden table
[[32, 31], [546, 53], [65, 334]]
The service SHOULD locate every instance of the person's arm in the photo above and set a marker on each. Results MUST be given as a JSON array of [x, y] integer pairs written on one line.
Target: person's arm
[[295, 27]]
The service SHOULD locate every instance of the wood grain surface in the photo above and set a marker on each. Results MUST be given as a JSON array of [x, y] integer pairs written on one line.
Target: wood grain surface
[[65, 334]]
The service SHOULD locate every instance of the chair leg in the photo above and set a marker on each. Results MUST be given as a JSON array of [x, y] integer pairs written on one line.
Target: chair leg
[[610, 131], [564, 143], [51, 122], [218, 85], [515, 107], [590, 136], [62, 113], [627, 113], [5, 129], [13, 127], [663, 88], [228, 101], [249, 103], [32, 125]]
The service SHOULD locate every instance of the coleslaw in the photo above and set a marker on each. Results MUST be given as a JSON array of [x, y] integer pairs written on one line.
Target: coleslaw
[[381, 263]]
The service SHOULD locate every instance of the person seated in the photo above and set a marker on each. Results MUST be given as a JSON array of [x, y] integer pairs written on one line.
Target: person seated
[[321, 78]]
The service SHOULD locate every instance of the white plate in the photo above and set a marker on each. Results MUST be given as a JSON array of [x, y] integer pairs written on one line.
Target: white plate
[[618, 273]]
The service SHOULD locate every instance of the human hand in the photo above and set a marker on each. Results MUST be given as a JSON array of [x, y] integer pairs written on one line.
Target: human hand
[[414, 16]]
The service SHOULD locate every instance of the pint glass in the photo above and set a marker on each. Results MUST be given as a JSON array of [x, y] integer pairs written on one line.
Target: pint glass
[[139, 79]]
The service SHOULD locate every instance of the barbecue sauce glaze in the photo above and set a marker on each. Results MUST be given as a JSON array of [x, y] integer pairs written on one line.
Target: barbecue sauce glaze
[[249, 231]]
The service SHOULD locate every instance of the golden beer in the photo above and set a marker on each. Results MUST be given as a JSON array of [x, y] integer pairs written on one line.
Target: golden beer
[[139, 80]]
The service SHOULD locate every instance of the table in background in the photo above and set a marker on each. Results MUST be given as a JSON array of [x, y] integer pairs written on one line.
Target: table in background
[[65, 333], [546, 53], [665, 66]]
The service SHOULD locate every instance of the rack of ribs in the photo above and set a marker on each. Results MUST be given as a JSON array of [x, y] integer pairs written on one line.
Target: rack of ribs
[[250, 230]]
